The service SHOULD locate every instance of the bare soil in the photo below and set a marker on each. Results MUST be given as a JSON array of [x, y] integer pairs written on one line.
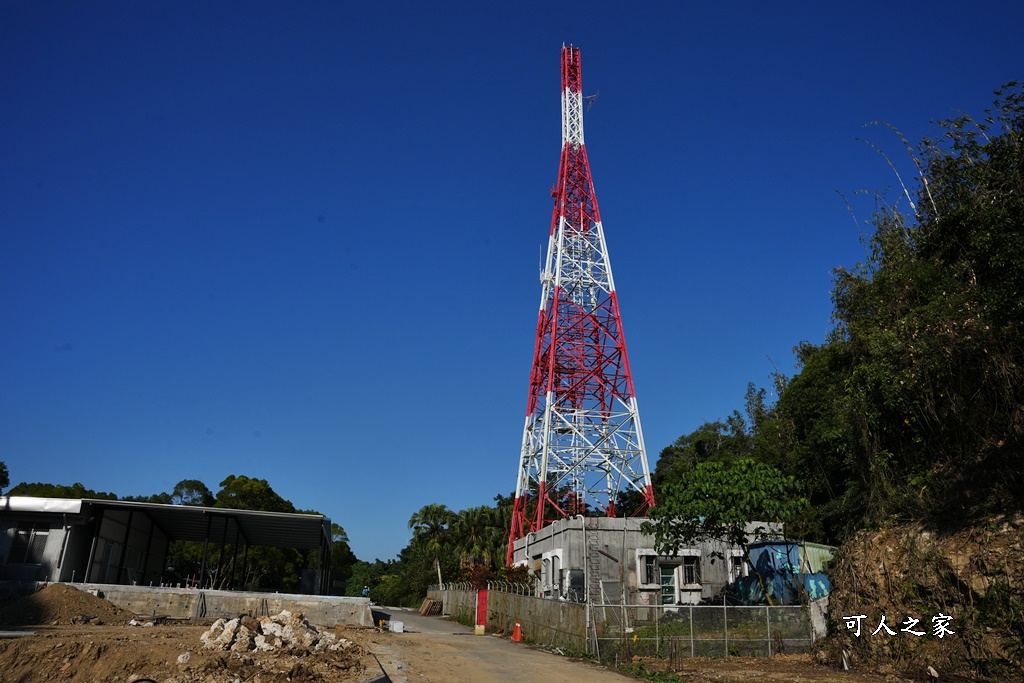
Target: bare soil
[[430, 650], [78, 637]]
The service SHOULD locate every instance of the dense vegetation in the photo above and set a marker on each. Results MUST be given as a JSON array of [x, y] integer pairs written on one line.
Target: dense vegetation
[[469, 545], [911, 408]]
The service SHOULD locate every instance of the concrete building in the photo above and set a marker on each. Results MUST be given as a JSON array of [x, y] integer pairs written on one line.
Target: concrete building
[[610, 561]]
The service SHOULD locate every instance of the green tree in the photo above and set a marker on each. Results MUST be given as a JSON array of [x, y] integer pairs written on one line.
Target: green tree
[[469, 533], [717, 502], [929, 336], [159, 498], [809, 432], [245, 493], [41, 490], [342, 558], [430, 532], [726, 441], [192, 492], [5, 480]]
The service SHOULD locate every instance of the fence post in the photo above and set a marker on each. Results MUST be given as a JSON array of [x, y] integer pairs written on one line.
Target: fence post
[[657, 633], [586, 630], [725, 623], [768, 623], [691, 631]]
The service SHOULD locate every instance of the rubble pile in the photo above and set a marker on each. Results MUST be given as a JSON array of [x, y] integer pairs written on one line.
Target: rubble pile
[[284, 631]]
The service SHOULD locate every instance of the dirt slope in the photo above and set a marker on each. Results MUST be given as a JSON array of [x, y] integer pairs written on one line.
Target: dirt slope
[[974, 576]]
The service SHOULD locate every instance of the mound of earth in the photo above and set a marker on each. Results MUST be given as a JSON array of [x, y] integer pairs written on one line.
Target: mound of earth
[[61, 603]]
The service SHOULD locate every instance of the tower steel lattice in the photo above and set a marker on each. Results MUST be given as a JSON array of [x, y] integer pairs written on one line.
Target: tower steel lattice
[[582, 442]]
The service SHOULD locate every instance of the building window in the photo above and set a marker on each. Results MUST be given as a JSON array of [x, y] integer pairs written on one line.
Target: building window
[[737, 568], [691, 570], [647, 575], [29, 543], [650, 569]]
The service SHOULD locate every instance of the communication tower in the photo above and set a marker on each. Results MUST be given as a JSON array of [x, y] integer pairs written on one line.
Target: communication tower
[[583, 448]]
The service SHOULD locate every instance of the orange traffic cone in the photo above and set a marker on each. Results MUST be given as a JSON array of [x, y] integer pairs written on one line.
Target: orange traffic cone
[[517, 634]]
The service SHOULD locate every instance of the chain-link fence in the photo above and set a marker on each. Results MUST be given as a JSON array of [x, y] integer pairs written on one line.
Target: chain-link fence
[[615, 632], [678, 631]]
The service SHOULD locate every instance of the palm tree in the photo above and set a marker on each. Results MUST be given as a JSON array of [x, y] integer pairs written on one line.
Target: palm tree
[[472, 529], [430, 527]]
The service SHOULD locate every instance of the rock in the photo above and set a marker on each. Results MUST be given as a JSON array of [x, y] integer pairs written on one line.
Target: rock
[[270, 627], [243, 640], [219, 635], [184, 657], [265, 643]]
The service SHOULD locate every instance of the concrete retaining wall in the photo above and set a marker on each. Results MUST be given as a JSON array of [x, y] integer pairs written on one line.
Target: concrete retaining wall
[[461, 606], [552, 623], [320, 610]]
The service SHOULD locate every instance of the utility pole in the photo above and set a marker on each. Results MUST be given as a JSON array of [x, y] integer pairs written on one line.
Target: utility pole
[[582, 442]]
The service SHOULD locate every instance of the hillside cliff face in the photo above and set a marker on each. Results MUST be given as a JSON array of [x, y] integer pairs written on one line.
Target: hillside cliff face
[[964, 587]]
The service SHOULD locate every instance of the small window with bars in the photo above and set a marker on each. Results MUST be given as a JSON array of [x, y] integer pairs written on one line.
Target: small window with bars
[[650, 569], [691, 570], [647, 574]]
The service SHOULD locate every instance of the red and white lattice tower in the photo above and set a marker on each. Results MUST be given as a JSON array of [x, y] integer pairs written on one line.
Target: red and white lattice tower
[[582, 443]]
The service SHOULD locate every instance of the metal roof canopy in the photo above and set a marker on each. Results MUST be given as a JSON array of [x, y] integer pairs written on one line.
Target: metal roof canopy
[[191, 523], [256, 528]]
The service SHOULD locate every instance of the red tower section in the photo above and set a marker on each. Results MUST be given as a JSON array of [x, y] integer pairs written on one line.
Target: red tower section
[[582, 448]]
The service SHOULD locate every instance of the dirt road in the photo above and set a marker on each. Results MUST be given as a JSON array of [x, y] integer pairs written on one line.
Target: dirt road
[[433, 650]]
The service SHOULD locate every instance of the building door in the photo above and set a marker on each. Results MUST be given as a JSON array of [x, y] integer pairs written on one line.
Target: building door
[[668, 584]]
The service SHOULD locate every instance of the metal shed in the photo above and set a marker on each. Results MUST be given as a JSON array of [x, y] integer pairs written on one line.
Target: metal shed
[[122, 542]]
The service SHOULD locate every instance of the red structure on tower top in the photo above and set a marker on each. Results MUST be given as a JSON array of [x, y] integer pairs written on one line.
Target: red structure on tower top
[[583, 449]]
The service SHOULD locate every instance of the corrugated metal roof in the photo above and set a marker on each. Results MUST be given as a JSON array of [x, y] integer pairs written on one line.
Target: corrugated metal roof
[[816, 556]]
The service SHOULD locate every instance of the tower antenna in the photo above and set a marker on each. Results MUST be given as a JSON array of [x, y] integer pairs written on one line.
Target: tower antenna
[[583, 449]]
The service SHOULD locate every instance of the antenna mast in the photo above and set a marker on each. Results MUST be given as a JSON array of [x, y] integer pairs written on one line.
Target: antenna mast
[[583, 448]]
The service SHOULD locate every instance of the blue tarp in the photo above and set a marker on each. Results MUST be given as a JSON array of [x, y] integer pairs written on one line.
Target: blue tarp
[[784, 588], [779, 567]]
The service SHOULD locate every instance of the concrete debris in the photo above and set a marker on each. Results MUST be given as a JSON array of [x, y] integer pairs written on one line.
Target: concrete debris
[[283, 631]]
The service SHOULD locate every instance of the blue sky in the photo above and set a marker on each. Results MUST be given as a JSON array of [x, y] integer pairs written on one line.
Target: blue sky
[[300, 241]]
